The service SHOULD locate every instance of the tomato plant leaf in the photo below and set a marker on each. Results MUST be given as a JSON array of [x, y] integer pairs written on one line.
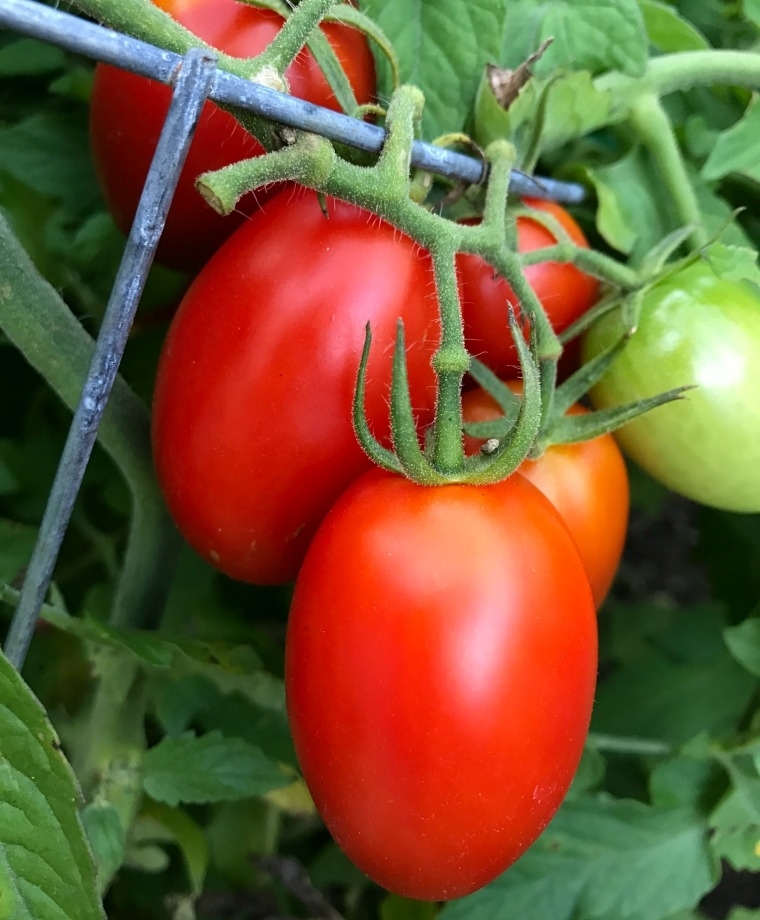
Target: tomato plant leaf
[[230, 666], [736, 150], [734, 262], [668, 31], [27, 57], [573, 107], [105, 833], [736, 822], [632, 215], [751, 10], [46, 868], [16, 545], [442, 47], [594, 35], [743, 642], [670, 683], [50, 152], [178, 827], [590, 862], [210, 768]]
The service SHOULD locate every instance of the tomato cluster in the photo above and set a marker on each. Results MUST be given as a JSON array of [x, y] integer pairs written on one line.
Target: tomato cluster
[[439, 694], [439, 690]]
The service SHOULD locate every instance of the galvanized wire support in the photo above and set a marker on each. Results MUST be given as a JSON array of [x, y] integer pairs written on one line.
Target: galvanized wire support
[[193, 82], [94, 41]]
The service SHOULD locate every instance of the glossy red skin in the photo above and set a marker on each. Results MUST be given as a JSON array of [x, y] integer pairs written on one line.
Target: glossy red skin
[[252, 431], [564, 291], [586, 482], [128, 111], [440, 664]]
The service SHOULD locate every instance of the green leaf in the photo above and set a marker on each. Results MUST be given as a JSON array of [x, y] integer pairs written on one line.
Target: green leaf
[[106, 835], [574, 107], [674, 678], [594, 35], [736, 823], [736, 150], [668, 31], [50, 153], [681, 781], [633, 215], [752, 11], [743, 642], [8, 482], [176, 826], [395, 907], [46, 868], [16, 545], [27, 57], [590, 862], [230, 666], [211, 768], [442, 47], [734, 263]]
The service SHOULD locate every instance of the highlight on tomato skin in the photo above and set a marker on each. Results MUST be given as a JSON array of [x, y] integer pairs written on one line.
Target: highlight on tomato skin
[[127, 113], [440, 668], [587, 482], [564, 291]]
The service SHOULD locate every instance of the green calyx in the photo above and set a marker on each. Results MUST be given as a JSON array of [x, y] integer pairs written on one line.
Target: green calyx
[[557, 427]]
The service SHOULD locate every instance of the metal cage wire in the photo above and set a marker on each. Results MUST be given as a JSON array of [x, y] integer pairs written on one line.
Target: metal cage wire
[[194, 78]]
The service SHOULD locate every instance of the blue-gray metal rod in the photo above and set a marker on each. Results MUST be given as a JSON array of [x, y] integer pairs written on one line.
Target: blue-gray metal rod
[[193, 81], [94, 41]]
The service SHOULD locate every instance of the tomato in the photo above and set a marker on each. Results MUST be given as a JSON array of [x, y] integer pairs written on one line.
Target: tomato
[[440, 664], [564, 291], [128, 111], [252, 413], [694, 328], [586, 482]]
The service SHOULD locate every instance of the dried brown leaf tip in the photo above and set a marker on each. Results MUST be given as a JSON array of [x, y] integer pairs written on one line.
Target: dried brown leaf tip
[[506, 84]]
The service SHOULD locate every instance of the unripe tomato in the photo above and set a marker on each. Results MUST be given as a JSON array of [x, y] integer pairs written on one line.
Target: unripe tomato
[[440, 665], [586, 482], [252, 412], [564, 291], [694, 329], [127, 113]]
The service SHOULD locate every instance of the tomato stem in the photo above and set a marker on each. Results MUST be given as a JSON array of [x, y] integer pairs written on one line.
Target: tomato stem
[[636, 747], [685, 70], [450, 362], [590, 261], [653, 127], [294, 34]]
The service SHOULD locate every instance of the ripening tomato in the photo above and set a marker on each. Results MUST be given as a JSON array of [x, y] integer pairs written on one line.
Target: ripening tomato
[[252, 412], [564, 291], [128, 111], [701, 330], [586, 482], [440, 664]]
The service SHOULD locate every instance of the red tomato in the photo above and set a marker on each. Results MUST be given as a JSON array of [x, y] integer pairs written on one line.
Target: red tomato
[[252, 429], [564, 291], [128, 111], [586, 482], [440, 664]]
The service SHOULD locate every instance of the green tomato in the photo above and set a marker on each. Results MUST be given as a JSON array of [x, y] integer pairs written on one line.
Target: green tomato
[[701, 330]]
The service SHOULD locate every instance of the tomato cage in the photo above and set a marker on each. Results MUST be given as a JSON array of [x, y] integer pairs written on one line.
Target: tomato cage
[[194, 78]]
